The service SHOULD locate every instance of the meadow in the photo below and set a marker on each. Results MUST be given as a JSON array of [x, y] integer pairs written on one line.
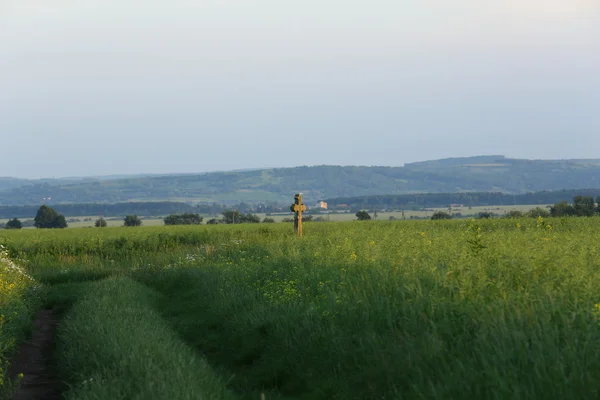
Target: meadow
[[88, 221], [490, 309]]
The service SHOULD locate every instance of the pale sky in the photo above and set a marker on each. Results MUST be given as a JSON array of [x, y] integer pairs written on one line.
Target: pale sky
[[100, 87]]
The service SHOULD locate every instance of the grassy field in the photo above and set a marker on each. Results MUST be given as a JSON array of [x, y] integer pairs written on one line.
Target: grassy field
[[490, 309], [19, 299], [333, 217]]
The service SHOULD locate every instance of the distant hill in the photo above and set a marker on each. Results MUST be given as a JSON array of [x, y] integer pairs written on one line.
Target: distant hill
[[469, 174]]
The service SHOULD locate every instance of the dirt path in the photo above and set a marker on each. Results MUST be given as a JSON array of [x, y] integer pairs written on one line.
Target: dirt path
[[35, 360]]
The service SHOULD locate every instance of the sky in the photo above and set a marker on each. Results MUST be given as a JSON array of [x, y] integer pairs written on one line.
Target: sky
[[101, 87]]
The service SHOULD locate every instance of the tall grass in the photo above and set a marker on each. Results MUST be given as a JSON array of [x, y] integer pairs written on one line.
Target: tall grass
[[19, 299], [114, 345], [421, 309]]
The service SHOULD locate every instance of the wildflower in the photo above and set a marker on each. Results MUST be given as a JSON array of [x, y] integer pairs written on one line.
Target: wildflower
[[353, 256]]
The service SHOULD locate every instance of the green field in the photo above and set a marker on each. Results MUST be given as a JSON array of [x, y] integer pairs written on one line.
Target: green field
[[464, 309]]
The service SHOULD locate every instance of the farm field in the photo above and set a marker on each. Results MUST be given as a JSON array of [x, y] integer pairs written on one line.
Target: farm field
[[333, 217], [478, 309]]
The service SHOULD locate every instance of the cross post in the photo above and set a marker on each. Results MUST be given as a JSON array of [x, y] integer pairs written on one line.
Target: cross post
[[298, 208]]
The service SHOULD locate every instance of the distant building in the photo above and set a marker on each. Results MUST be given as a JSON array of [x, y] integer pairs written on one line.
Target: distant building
[[322, 205]]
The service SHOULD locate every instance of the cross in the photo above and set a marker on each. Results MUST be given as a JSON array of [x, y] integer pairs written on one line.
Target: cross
[[298, 208]]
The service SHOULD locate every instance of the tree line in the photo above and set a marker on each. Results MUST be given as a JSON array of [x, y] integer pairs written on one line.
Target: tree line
[[139, 208], [48, 218], [582, 206], [108, 210], [469, 199]]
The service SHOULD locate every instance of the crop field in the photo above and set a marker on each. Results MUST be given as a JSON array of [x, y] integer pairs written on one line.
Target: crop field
[[460, 309], [88, 221]]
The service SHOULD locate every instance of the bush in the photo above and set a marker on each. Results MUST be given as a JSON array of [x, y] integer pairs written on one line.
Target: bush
[[235, 217], [485, 215], [132, 220], [13, 224], [363, 215], [514, 214], [538, 212], [268, 220], [441, 215], [47, 218], [183, 219], [100, 223]]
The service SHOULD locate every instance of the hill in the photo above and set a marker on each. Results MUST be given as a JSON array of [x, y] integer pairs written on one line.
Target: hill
[[469, 174]]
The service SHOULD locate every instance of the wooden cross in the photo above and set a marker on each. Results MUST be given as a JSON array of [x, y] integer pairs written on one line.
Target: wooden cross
[[298, 208]]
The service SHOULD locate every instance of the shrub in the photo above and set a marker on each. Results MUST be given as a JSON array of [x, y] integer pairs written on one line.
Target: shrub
[[47, 218], [132, 220], [13, 224], [441, 215], [183, 219], [100, 223], [514, 214], [363, 215]]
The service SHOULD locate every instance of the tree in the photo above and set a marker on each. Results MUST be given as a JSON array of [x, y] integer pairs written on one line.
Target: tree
[[183, 219], [538, 212], [13, 224], [132, 220], [514, 214], [441, 215], [562, 209], [212, 221], [100, 223], [250, 219], [231, 217], [584, 206], [235, 217], [363, 215], [485, 215], [47, 218]]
